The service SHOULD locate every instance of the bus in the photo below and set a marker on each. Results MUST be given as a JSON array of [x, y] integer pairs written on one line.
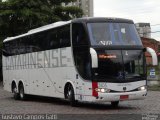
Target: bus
[[81, 60]]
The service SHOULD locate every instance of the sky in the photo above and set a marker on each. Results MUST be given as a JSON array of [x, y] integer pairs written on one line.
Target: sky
[[147, 11]]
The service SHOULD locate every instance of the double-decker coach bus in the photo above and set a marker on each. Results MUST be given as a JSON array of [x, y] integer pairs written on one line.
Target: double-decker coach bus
[[85, 59]]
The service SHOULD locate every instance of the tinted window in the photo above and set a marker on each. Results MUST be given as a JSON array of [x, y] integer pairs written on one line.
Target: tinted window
[[52, 39], [100, 33], [22, 45], [113, 34], [81, 51], [6, 49], [110, 64], [120, 65], [134, 64], [13, 47], [46, 40], [64, 36], [79, 35]]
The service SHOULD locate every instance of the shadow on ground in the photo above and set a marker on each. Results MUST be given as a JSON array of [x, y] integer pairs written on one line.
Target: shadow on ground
[[86, 105]]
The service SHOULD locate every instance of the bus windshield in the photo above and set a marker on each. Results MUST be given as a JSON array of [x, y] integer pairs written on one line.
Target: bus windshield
[[113, 34], [120, 65]]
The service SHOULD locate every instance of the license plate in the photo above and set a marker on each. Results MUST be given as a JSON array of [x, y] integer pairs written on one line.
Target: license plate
[[124, 97]]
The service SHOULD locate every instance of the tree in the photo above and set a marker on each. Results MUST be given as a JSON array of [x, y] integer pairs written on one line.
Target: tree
[[18, 16]]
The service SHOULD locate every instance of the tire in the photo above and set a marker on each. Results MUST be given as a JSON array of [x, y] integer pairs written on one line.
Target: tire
[[71, 96], [115, 104], [21, 92], [15, 92]]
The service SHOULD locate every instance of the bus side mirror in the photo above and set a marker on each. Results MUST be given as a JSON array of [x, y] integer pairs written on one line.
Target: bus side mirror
[[94, 58], [154, 56]]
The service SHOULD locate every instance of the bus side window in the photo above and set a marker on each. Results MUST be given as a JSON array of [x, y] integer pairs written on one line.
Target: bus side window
[[37, 42], [65, 36], [53, 39], [22, 46], [14, 47], [6, 49]]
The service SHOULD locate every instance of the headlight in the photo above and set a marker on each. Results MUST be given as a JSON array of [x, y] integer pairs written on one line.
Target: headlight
[[142, 88], [102, 90]]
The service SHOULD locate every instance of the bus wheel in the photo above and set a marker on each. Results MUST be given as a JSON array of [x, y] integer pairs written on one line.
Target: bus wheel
[[21, 92], [115, 104], [71, 96], [15, 92]]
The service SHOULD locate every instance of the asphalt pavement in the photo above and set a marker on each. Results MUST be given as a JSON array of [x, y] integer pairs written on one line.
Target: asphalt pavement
[[148, 109]]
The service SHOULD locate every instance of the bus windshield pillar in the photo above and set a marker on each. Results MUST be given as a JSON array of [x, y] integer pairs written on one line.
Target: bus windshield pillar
[[94, 58]]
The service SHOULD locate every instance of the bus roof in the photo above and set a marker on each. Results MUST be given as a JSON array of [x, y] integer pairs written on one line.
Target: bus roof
[[61, 23], [40, 29], [102, 19]]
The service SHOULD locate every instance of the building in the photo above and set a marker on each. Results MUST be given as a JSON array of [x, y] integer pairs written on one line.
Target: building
[[85, 5], [144, 29]]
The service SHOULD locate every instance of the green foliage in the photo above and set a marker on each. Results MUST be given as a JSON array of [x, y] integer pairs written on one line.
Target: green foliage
[[19, 16]]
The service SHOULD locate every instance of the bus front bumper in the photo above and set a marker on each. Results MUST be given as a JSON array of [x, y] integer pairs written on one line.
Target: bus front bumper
[[108, 97]]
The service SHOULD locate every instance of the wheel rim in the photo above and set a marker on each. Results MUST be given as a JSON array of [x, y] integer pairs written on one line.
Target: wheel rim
[[14, 90], [21, 93], [69, 92]]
